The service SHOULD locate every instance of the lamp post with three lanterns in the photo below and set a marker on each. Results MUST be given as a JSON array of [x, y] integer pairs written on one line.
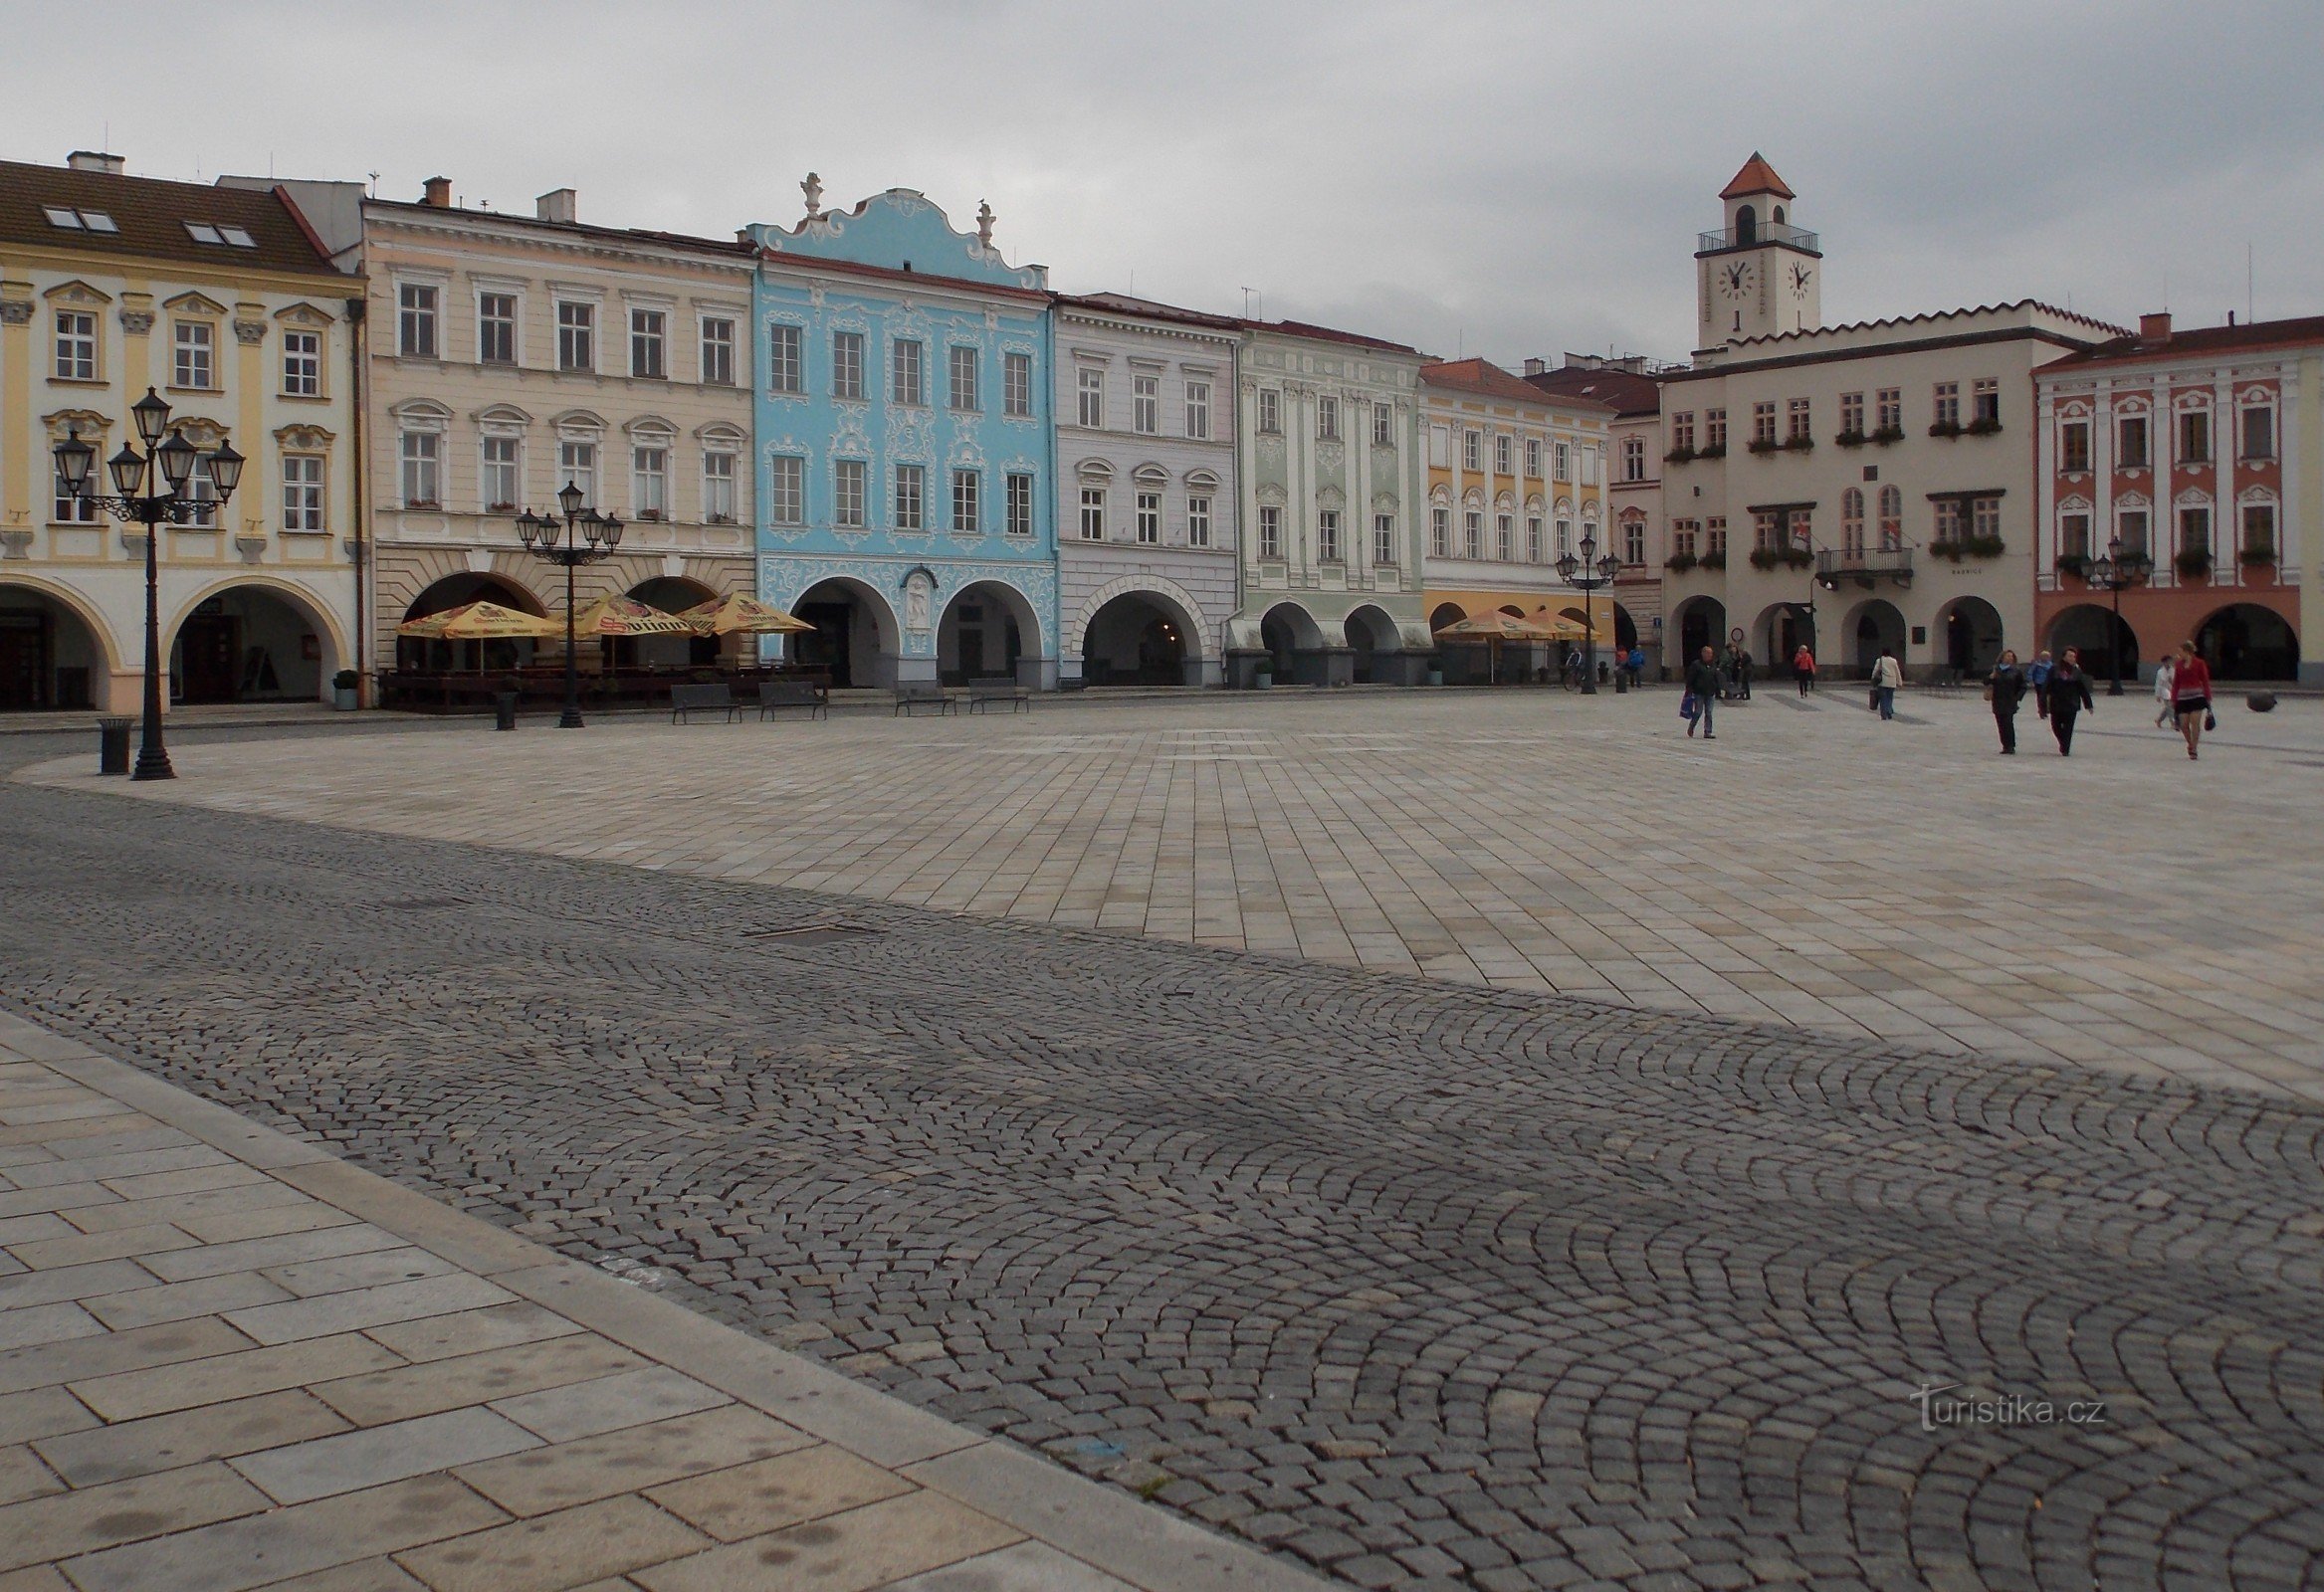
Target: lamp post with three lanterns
[[1589, 572], [2118, 571], [580, 536]]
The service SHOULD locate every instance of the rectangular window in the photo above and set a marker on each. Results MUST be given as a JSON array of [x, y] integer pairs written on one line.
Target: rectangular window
[[1145, 405], [202, 493], [1851, 414], [649, 343], [302, 492], [415, 320], [2258, 529], [423, 477], [1532, 538], [1439, 448], [1985, 401], [1328, 418], [1949, 527], [1503, 536], [1270, 531], [1092, 514], [649, 483], [75, 509], [1198, 521], [1149, 519], [1635, 543], [786, 489], [1327, 536], [847, 365], [1798, 430], [1090, 398], [576, 464], [1564, 538], [1383, 430], [1198, 410], [2074, 451], [1589, 464], [1472, 534], [1472, 451], [1767, 528], [576, 336], [302, 365], [2073, 535], [1020, 504], [1016, 386], [76, 345], [2131, 526], [2131, 443], [1440, 532], [785, 361], [847, 493], [195, 365], [1948, 403], [1985, 517], [1533, 450], [1270, 412], [1682, 434], [911, 482], [2195, 437], [499, 484], [1633, 459], [961, 369], [2258, 433], [496, 329], [1565, 461], [718, 488], [907, 383], [1715, 431], [1889, 403], [1763, 424], [1501, 456], [718, 351], [1383, 538], [1715, 536], [1682, 537], [968, 504], [2194, 530]]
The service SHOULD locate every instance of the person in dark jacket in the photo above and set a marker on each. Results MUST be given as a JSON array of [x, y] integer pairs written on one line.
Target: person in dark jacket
[[2066, 694], [2006, 689], [1702, 681]]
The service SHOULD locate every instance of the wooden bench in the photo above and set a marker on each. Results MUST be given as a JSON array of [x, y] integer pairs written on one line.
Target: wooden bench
[[918, 693], [1000, 689], [777, 693], [719, 698]]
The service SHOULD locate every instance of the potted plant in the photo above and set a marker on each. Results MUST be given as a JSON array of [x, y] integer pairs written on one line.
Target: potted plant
[[1715, 451], [343, 685], [1945, 428], [1715, 559], [1763, 445], [1984, 547], [1263, 678], [1888, 434], [1799, 444], [1679, 455], [2257, 557], [2192, 563], [1985, 425], [1948, 550], [1849, 439], [2076, 564], [1679, 563]]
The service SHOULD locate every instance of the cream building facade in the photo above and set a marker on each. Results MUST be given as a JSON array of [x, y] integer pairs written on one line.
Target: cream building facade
[[225, 303]]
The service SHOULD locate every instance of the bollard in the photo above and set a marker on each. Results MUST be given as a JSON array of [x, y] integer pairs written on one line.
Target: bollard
[[504, 709], [1621, 682], [113, 745]]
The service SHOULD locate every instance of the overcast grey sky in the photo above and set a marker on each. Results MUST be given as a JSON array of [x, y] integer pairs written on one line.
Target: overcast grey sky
[[1499, 179]]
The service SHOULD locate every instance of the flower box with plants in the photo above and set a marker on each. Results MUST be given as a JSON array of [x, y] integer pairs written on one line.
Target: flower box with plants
[[1780, 557], [501, 508], [1678, 456], [651, 514], [1945, 428], [1679, 563], [2257, 557], [1850, 439], [1763, 445], [2074, 564], [1716, 559], [1960, 547], [2194, 563], [1716, 450], [1888, 434], [1985, 425], [1799, 444]]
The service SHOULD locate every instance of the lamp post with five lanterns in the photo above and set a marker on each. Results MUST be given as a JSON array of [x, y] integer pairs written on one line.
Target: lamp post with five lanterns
[[2118, 571], [1589, 572], [580, 536]]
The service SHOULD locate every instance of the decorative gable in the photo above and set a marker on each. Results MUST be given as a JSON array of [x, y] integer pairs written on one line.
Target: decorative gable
[[194, 304], [76, 293], [902, 230]]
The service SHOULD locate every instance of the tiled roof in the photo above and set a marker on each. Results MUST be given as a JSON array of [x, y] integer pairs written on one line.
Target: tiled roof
[[733, 250], [1757, 176], [1123, 304], [1302, 329], [1624, 392], [152, 215], [2251, 335], [1488, 380]]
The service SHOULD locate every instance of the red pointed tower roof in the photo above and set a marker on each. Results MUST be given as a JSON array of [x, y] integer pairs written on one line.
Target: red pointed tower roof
[[1757, 176]]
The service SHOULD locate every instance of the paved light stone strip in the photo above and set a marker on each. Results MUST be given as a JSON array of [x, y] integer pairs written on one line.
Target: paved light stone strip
[[477, 1440]]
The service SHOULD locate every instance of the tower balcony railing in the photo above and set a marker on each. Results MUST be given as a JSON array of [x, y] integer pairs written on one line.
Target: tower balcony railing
[[1764, 232]]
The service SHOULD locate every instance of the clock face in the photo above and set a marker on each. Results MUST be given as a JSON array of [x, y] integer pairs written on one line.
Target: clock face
[[1735, 278], [1800, 279]]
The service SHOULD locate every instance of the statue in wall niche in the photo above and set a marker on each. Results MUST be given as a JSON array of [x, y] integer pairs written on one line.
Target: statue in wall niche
[[813, 189], [916, 596], [984, 224]]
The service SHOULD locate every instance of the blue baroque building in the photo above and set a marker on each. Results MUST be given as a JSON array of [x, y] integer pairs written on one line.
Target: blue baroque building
[[905, 450]]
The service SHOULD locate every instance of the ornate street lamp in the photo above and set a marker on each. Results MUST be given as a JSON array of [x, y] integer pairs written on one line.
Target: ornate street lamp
[[151, 490], [1589, 572], [575, 535], [2118, 571]]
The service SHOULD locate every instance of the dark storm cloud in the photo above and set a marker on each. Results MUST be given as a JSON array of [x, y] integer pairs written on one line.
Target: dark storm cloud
[[1499, 179]]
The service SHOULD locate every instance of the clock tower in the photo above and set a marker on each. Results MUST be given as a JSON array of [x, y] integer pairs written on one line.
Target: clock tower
[[1761, 276]]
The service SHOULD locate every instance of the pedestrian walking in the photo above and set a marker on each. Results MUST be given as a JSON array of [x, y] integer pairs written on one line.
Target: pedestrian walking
[[2191, 696], [2164, 698], [1702, 685], [1887, 674], [2065, 696], [2004, 688], [1743, 674], [1804, 668], [1638, 667], [2036, 676]]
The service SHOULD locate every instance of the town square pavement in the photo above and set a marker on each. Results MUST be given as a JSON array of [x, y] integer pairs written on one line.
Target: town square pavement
[[1538, 1274]]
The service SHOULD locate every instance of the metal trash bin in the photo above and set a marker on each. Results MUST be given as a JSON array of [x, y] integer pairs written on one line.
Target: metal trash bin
[[504, 709], [1621, 682], [113, 745]]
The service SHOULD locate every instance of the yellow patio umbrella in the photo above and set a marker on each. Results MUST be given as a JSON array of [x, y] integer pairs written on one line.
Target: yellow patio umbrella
[[613, 615], [1497, 627], [738, 615], [480, 621]]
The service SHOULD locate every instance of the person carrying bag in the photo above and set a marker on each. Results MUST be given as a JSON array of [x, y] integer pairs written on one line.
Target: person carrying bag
[[2190, 697]]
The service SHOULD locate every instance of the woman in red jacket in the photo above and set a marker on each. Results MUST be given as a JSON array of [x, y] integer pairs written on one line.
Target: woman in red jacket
[[2191, 694]]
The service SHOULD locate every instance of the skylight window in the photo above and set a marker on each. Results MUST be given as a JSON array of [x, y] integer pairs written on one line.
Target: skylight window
[[79, 220], [203, 232], [98, 221], [239, 238], [60, 217]]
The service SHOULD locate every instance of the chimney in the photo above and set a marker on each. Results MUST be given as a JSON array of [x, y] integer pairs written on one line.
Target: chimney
[[2155, 328], [1537, 366], [555, 205], [92, 160], [439, 193]]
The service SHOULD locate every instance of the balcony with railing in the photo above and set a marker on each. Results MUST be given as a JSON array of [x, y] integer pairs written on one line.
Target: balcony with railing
[[1764, 232], [1866, 566]]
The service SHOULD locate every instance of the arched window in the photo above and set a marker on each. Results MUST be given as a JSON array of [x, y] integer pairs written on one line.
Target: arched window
[[1777, 215], [1853, 522], [1746, 225], [1891, 520]]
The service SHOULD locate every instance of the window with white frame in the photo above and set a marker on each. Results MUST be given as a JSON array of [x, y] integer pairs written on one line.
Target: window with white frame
[[195, 365], [302, 492], [911, 494], [1947, 402], [1383, 538], [1090, 393], [718, 351], [1633, 459], [2130, 443], [2130, 525], [69, 508], [2258, 532], [1851, 414], [1440, 532], [649, 343], [1532, 538], [967, 503], [786, 358], [1503, 536], [496, 329], [1891, 518], [2194, 529], [576, 466], [847, 365], [1328, 418], [1270, 531], [1715, 431], [2073, 445], [2073, 535], [649, 481], [1472, 451], [1533, 457], [1682, 537], [1635, 539], [1016, 386], [1145, 405], [1949, 527], [1889, 408], [717, 487], [201, 491], [1198, 520], [497, 473], [1383, 426], [1149, 519], [1020, 503], [1198, 410], [415, 320], [1985, 517], [1564, 538], [76, 345], [302, 365], [1327, 536], [2195, 436], [907, 379], [1472, 527], [1501, 454], [847, 493], [1565, 461], [576, 336], [1853, 522], [1985, 401], [787, 491], [423, 469], [2258, 431], [1270, 412], [960, 370], [1092, 514]]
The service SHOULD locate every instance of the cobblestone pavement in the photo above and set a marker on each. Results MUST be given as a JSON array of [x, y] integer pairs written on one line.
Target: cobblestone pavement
[[1429, 1285], [2123, 909]]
